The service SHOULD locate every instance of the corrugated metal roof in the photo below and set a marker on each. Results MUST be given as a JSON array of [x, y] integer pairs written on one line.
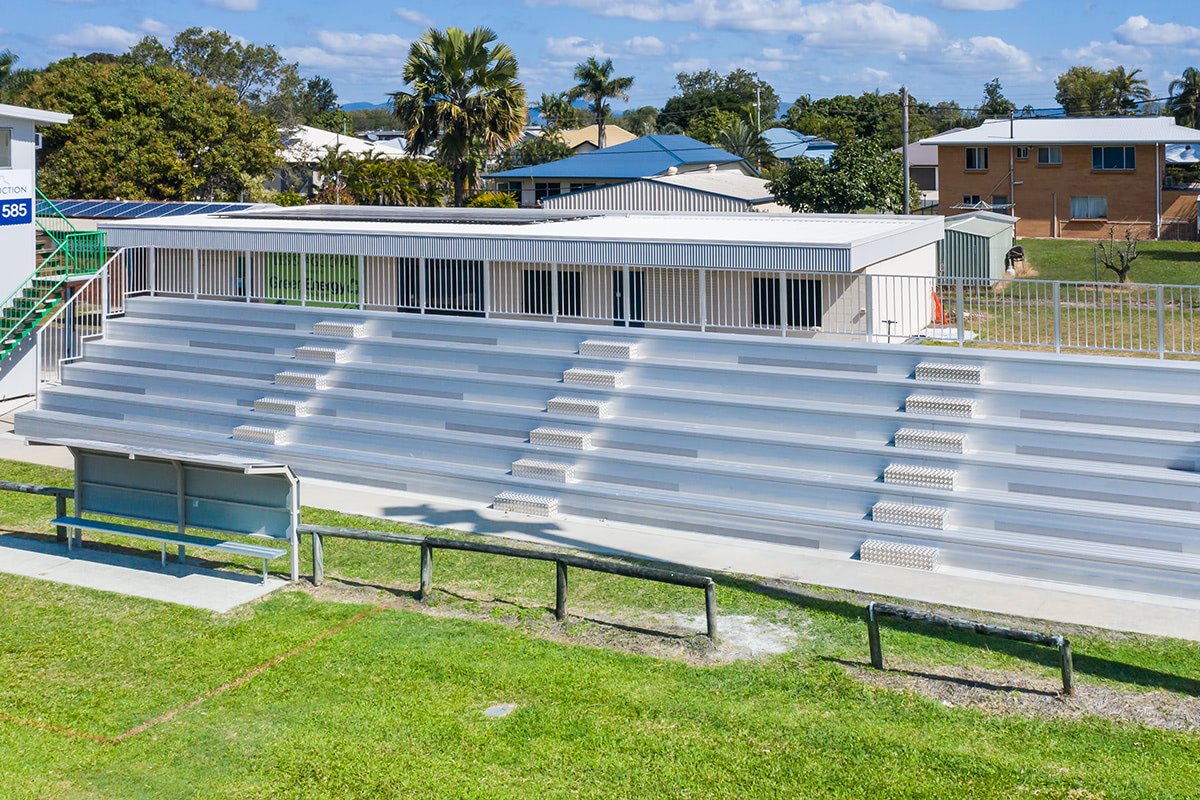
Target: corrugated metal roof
[[305, 144], [1182, 154], [639, 158], [787, 144], [1071, 130], [36, 115]]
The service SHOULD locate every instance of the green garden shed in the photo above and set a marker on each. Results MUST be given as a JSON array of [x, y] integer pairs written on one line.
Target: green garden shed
[[976, 244]]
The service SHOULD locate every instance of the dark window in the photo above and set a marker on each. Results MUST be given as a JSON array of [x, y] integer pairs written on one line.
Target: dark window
[[1089, 207], [1022, 153], [538, 289], [1050, 155], [543, 190], [637, 295], [579, 187], [454, 286], [510, 187], [977, 158], [970, 199], [1113, 158], [804, 309], [999, 201]]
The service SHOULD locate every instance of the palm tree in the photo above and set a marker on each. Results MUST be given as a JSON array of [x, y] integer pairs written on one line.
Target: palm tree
[[466, 101], [1185, 98], [1130, 90], [743, 140], [597, 85]]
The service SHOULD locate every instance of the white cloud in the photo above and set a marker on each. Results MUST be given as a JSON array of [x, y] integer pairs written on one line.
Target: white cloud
[[99, 37], [154, 27], [1139, 30], [363, 44], [415, 17], [1105, 55], [823, 24], [979, 5], [233, 5], [579, 47], [690, 65], [991, 53]]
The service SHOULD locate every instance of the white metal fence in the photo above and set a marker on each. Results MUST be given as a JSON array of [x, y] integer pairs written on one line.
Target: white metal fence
[[1156, 320]]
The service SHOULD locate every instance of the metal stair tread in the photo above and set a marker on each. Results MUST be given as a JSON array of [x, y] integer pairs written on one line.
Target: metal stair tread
[[1188, 563]]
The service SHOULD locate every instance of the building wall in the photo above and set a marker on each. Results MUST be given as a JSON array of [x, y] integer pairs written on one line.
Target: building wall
[[1043, 193], [902, 290], [18, 374]]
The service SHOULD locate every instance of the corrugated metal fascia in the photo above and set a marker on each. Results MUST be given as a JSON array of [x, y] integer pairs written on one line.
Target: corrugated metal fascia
[[544, 251]]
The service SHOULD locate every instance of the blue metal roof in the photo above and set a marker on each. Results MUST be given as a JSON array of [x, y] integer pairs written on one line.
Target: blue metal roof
[[788, 144], [136, 209], [639, 158]]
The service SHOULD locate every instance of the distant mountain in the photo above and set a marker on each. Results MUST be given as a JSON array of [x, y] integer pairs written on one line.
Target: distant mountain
[[363, 106]]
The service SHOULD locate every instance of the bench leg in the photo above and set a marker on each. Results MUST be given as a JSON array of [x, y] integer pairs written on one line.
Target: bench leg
[[182, 556]]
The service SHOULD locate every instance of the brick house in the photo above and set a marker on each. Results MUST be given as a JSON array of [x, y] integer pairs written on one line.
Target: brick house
[[1069, 177]]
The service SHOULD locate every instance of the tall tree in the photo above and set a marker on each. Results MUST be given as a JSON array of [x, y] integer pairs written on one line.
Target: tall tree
[[558, 113], [1185, 98], [860, 176], [741, 92], [639, 121], [1086, 91], [708, 124], [13, 80], [995, 104], [742, 139], [147, 133], [597, 85], [1131, 92], [466, 101]]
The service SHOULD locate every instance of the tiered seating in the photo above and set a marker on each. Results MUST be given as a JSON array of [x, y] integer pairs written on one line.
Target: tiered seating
[[1073, 469]]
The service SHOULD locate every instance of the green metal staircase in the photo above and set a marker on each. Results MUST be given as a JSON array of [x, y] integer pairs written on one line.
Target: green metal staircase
[[63, 254]]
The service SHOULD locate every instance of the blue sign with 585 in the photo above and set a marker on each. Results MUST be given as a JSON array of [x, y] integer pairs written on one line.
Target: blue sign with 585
[[16, 212]]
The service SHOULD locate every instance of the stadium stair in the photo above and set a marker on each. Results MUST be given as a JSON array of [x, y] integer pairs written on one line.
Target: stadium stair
[[1072, 469]]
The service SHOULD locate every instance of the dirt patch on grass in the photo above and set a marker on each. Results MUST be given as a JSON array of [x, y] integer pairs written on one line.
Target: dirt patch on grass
[[1014, 693], [675, 636]]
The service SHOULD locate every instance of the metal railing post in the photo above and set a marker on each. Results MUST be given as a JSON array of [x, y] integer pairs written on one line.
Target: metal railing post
[[304, 279], [703, 292], [1162, 321], [783, 320], [958, 313], [362, 282], [626, 290], [554, 309], [195, 273], [248, 277], [487, 288], [105, 300], [1056, 300], [152, 271], [869, 305], [422, 285]]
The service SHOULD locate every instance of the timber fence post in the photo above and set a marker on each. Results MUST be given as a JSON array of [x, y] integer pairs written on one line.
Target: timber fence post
[[873, 637], [560, 591], [710, 610], [318, 558], [426, 571]]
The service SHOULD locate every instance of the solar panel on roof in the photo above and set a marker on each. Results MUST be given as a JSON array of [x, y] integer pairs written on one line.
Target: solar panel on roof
[[137, 209]]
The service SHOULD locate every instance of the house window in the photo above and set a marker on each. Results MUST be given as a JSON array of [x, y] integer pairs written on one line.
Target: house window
[[579, 187], [804, 309], [1089, 207], [1112, 158], [970, 200], [999, 201], [537, 288], [977, 158], [5, 148], [543, 190], [510, 187], [1051, 156], [1022, 153]]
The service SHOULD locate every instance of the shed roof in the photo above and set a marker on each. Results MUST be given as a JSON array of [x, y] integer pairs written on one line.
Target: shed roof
[[1070, 130], [981, 223], [35, 115], [613, 135], [306, 144], [787, 144], [637, 158]]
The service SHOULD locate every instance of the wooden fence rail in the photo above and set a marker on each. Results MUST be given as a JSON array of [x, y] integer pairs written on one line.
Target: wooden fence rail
[[59, 494], [561, 562], [876, 610]]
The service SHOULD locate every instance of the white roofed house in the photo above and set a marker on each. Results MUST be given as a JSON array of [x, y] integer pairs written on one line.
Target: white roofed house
[[303, 147], [701, 190]]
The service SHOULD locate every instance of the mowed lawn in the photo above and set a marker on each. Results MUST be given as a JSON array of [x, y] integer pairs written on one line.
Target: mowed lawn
[[1072, 260], [392, 704]]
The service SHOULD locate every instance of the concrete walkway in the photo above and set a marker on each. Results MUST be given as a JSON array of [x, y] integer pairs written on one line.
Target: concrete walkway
[[135, 575], [1068, 603]]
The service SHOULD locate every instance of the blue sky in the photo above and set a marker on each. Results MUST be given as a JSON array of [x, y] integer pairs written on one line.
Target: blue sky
[[940, 48]]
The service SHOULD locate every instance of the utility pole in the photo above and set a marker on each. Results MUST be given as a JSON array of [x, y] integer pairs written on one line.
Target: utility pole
[[904, 145], [758, 107]]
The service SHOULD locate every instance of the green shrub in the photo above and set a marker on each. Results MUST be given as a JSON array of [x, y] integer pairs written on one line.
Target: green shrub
[[492, 200]]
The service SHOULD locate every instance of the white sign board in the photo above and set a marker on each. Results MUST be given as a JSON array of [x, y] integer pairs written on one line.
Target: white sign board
[[16, 197]]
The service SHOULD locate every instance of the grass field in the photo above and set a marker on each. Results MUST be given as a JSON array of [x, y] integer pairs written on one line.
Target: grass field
[[391, 704], [1071, 260]]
